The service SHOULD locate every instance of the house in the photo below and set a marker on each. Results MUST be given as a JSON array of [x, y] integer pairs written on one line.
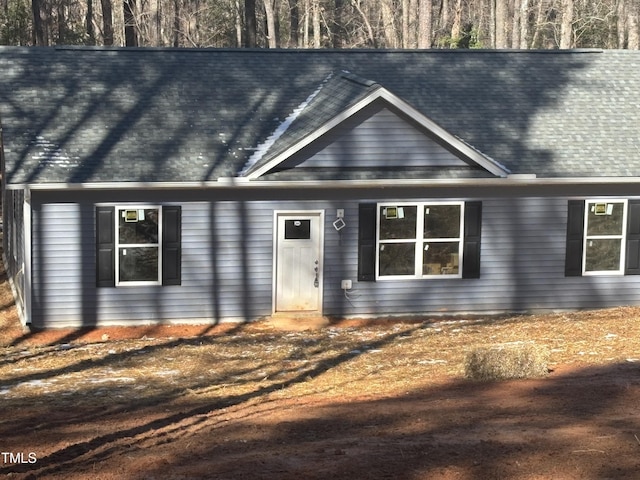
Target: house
[[164, 185]]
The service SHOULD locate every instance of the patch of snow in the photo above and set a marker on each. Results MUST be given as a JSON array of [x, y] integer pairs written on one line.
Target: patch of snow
[[112, 379], [262, 149], [34, 383], [50, 152], [165, 373]]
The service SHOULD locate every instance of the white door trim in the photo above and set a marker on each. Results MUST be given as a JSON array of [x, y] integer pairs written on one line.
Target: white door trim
[[274, 283]]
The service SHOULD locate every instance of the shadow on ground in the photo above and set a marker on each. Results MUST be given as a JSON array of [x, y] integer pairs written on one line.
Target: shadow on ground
[[574, 424]]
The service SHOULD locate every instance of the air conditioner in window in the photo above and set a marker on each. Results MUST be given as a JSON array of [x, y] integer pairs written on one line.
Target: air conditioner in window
[[603, 208]]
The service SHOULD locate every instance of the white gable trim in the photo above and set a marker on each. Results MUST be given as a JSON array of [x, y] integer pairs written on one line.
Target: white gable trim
[[381, 93]]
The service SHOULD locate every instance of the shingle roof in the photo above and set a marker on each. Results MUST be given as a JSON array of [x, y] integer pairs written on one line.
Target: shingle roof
[[106, 115], [336, 92]]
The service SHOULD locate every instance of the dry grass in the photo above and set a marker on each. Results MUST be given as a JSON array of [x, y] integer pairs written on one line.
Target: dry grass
[[153, 365], [337, 361], [502, 362]]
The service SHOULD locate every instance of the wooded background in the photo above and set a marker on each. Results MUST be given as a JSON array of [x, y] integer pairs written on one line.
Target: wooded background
[[520, 24]]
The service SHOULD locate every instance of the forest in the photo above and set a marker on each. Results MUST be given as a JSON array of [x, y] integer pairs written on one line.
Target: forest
[[395, 24]]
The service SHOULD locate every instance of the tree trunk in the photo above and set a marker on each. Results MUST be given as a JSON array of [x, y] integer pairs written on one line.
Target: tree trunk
[[371, 38], [315, 6], [515, 26], [294, 23], [388, 24], [61, 20], [405, 24], [456, 28], [39, 37], [250, 25], [91, 34], [177, 24], [107, 22], [443, 17], [621, 27], [130, 33], [413, 24], [633, 42], [501, 19], [424, 24], [307, 20], [566, 26], [524, 23], [272, 35], [337, 36], [537, 23]]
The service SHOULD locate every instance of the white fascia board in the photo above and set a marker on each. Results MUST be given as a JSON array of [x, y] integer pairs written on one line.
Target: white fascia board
[[382, 93], [116, 186], [242, 183]]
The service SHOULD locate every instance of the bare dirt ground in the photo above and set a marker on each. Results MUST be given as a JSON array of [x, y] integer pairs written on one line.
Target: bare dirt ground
[[353, 400]]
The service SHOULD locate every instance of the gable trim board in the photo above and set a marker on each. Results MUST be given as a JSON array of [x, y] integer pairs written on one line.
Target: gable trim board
[[254, 172]]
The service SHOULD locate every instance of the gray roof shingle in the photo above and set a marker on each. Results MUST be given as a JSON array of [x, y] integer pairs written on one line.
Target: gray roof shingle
[[82, 115]]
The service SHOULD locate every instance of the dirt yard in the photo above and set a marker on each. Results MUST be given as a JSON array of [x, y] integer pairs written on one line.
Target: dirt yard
[[353, 400]]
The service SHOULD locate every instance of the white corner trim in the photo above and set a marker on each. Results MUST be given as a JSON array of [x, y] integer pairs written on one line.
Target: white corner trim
[[382, 93], [27, 319]]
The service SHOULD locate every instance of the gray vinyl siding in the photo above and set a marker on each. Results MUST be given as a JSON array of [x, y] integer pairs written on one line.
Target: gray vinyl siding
[[13, 231], [383, 140], [227, 267], [216, 285], [522, 269]]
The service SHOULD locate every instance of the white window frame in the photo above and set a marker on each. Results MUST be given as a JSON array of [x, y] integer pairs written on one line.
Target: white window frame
[[419, 240], [622, 237], [118, 212]]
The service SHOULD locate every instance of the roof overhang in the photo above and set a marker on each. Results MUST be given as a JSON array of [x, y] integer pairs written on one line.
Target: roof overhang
[[243, 184], [382, 93]]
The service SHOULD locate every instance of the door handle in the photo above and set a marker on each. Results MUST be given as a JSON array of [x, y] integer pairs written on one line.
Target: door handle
[[316, 281]]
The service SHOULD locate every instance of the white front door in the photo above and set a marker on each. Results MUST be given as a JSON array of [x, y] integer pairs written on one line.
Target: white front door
[[298, 262]]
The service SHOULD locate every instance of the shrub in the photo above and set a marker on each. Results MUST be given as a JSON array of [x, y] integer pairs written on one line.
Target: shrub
[[507, 361]]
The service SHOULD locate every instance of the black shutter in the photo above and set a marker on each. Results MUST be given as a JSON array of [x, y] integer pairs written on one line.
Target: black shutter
[[575, 233], [367, 242], [472, 237], [171, 245], [105, 247], [632, 266]]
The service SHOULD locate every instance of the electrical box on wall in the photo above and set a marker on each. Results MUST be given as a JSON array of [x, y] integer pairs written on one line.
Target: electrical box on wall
[[346, 284]]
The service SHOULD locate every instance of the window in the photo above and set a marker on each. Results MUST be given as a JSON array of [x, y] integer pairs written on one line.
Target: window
[[604, 233], [603, 237], [138, 245], [420, 240]]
